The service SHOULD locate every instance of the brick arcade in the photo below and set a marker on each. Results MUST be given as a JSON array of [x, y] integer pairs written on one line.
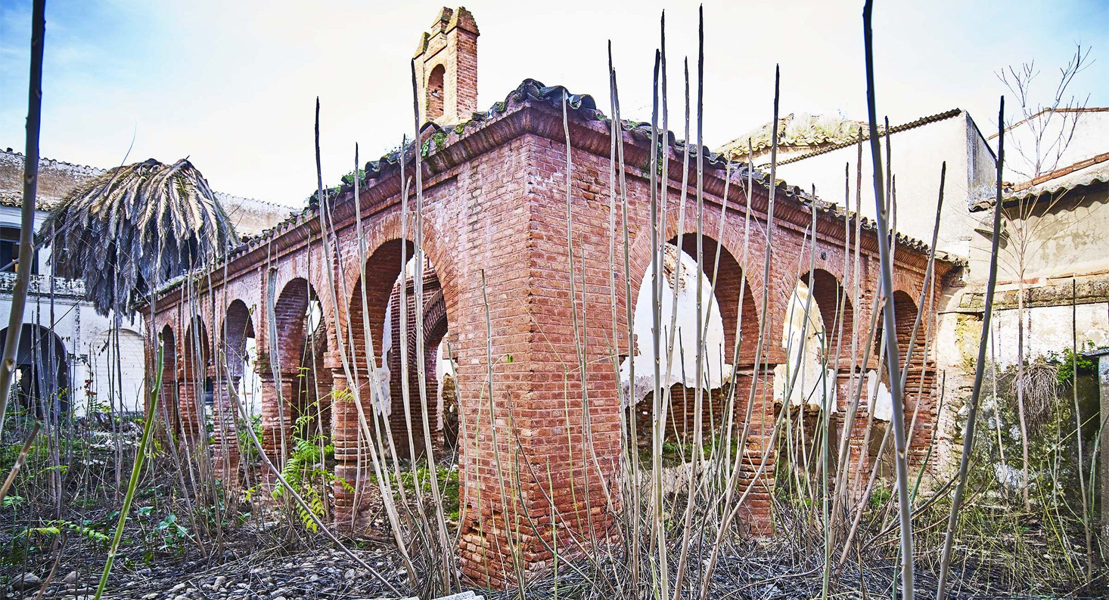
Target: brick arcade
[[494, 215]]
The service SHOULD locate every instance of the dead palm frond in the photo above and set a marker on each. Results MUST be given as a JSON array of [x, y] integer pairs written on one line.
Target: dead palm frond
[[137, 226]]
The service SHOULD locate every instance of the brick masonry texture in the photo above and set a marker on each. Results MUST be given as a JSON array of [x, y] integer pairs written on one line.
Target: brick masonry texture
[[495, 230]]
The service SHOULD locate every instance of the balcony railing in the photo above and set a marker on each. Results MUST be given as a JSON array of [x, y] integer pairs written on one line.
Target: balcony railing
[[40, 285]]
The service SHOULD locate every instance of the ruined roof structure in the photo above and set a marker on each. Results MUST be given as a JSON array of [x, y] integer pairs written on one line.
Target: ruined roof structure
[[494, 223], [812, 135]]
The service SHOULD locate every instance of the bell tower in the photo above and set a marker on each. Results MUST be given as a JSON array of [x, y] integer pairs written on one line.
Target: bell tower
[[446, 63]]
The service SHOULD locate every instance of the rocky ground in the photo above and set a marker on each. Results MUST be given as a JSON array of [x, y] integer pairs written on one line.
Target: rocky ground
[[261, 575]]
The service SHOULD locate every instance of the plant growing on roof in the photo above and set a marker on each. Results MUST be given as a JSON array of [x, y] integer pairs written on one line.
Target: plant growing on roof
[[134, 227]]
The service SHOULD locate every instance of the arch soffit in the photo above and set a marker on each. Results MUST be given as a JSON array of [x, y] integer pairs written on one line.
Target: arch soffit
[[387, 228]]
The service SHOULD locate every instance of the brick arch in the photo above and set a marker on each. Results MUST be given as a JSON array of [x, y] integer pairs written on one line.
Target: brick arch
[[730, 277], [306, 378], [435, 321], [195, 360], [905, 313], [296, 266], [167, 400], [435, 327], [383, 267], [237, 325], [290, 309], [829, 296], [380, 230], [169, 355], [196, 352], [908, 283]]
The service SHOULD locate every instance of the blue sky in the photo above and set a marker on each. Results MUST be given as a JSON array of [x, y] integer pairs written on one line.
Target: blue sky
[[232, 85]]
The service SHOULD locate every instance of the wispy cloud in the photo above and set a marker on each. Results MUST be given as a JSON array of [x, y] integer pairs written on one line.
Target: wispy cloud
[[233, 84]]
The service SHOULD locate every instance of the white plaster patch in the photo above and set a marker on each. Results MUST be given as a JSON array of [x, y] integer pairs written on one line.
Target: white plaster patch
[[683, 357]]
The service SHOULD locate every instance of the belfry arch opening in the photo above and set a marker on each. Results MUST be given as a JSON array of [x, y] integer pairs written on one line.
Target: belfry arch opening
[[435, 93]]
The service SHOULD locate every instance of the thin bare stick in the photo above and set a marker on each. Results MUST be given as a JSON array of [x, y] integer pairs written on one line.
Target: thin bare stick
[[890, 331], [977, 387], [27, 211]]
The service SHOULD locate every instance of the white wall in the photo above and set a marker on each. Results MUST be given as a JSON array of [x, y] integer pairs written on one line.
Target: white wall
[[81, 330], [684, 354], [1065, 138], [916, 159]]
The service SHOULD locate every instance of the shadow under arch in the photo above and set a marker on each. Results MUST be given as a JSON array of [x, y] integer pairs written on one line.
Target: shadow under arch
[[41, 379]]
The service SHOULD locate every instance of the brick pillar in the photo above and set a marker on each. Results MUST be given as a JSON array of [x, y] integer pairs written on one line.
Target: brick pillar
[[189, 392], [225, 451], [859, 457], [345, 439], [168, 402], [756, 513], [922, 376], [860, 462], [273, 425]]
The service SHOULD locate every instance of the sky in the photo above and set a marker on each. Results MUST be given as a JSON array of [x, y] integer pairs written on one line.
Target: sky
[[232, 85]]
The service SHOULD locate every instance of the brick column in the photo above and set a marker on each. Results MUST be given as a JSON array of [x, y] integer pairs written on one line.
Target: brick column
[[756, 512], [345, 439], [273, 425], [225, 451]]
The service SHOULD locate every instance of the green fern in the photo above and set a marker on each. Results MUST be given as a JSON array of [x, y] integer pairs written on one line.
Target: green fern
[[307, 467]]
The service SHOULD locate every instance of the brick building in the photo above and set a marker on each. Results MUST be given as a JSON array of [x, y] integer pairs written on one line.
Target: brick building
[[315, 293]]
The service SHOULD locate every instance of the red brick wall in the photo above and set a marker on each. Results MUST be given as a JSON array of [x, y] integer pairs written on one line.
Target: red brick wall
[[495, 212]]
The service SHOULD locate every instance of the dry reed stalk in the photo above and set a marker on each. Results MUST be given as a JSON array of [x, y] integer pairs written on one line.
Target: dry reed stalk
[[450, 575], [580, 357], [853, 404], [684, 194], [630, 341], [889, 330], [729, 510], [924, 305], [731, 467], [973, 410], [658, 539], [385, 485], [406, 401], [1078, 431], [697, 453], [373, 439]]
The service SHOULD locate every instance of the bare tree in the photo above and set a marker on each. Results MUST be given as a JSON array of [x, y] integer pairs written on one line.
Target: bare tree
[[1048, 130]]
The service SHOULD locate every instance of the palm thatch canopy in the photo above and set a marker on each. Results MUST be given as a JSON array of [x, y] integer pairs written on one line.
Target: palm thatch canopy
[[134, 228]]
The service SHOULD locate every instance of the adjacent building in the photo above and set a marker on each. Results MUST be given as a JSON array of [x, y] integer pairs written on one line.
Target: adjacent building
[[67, 350]]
